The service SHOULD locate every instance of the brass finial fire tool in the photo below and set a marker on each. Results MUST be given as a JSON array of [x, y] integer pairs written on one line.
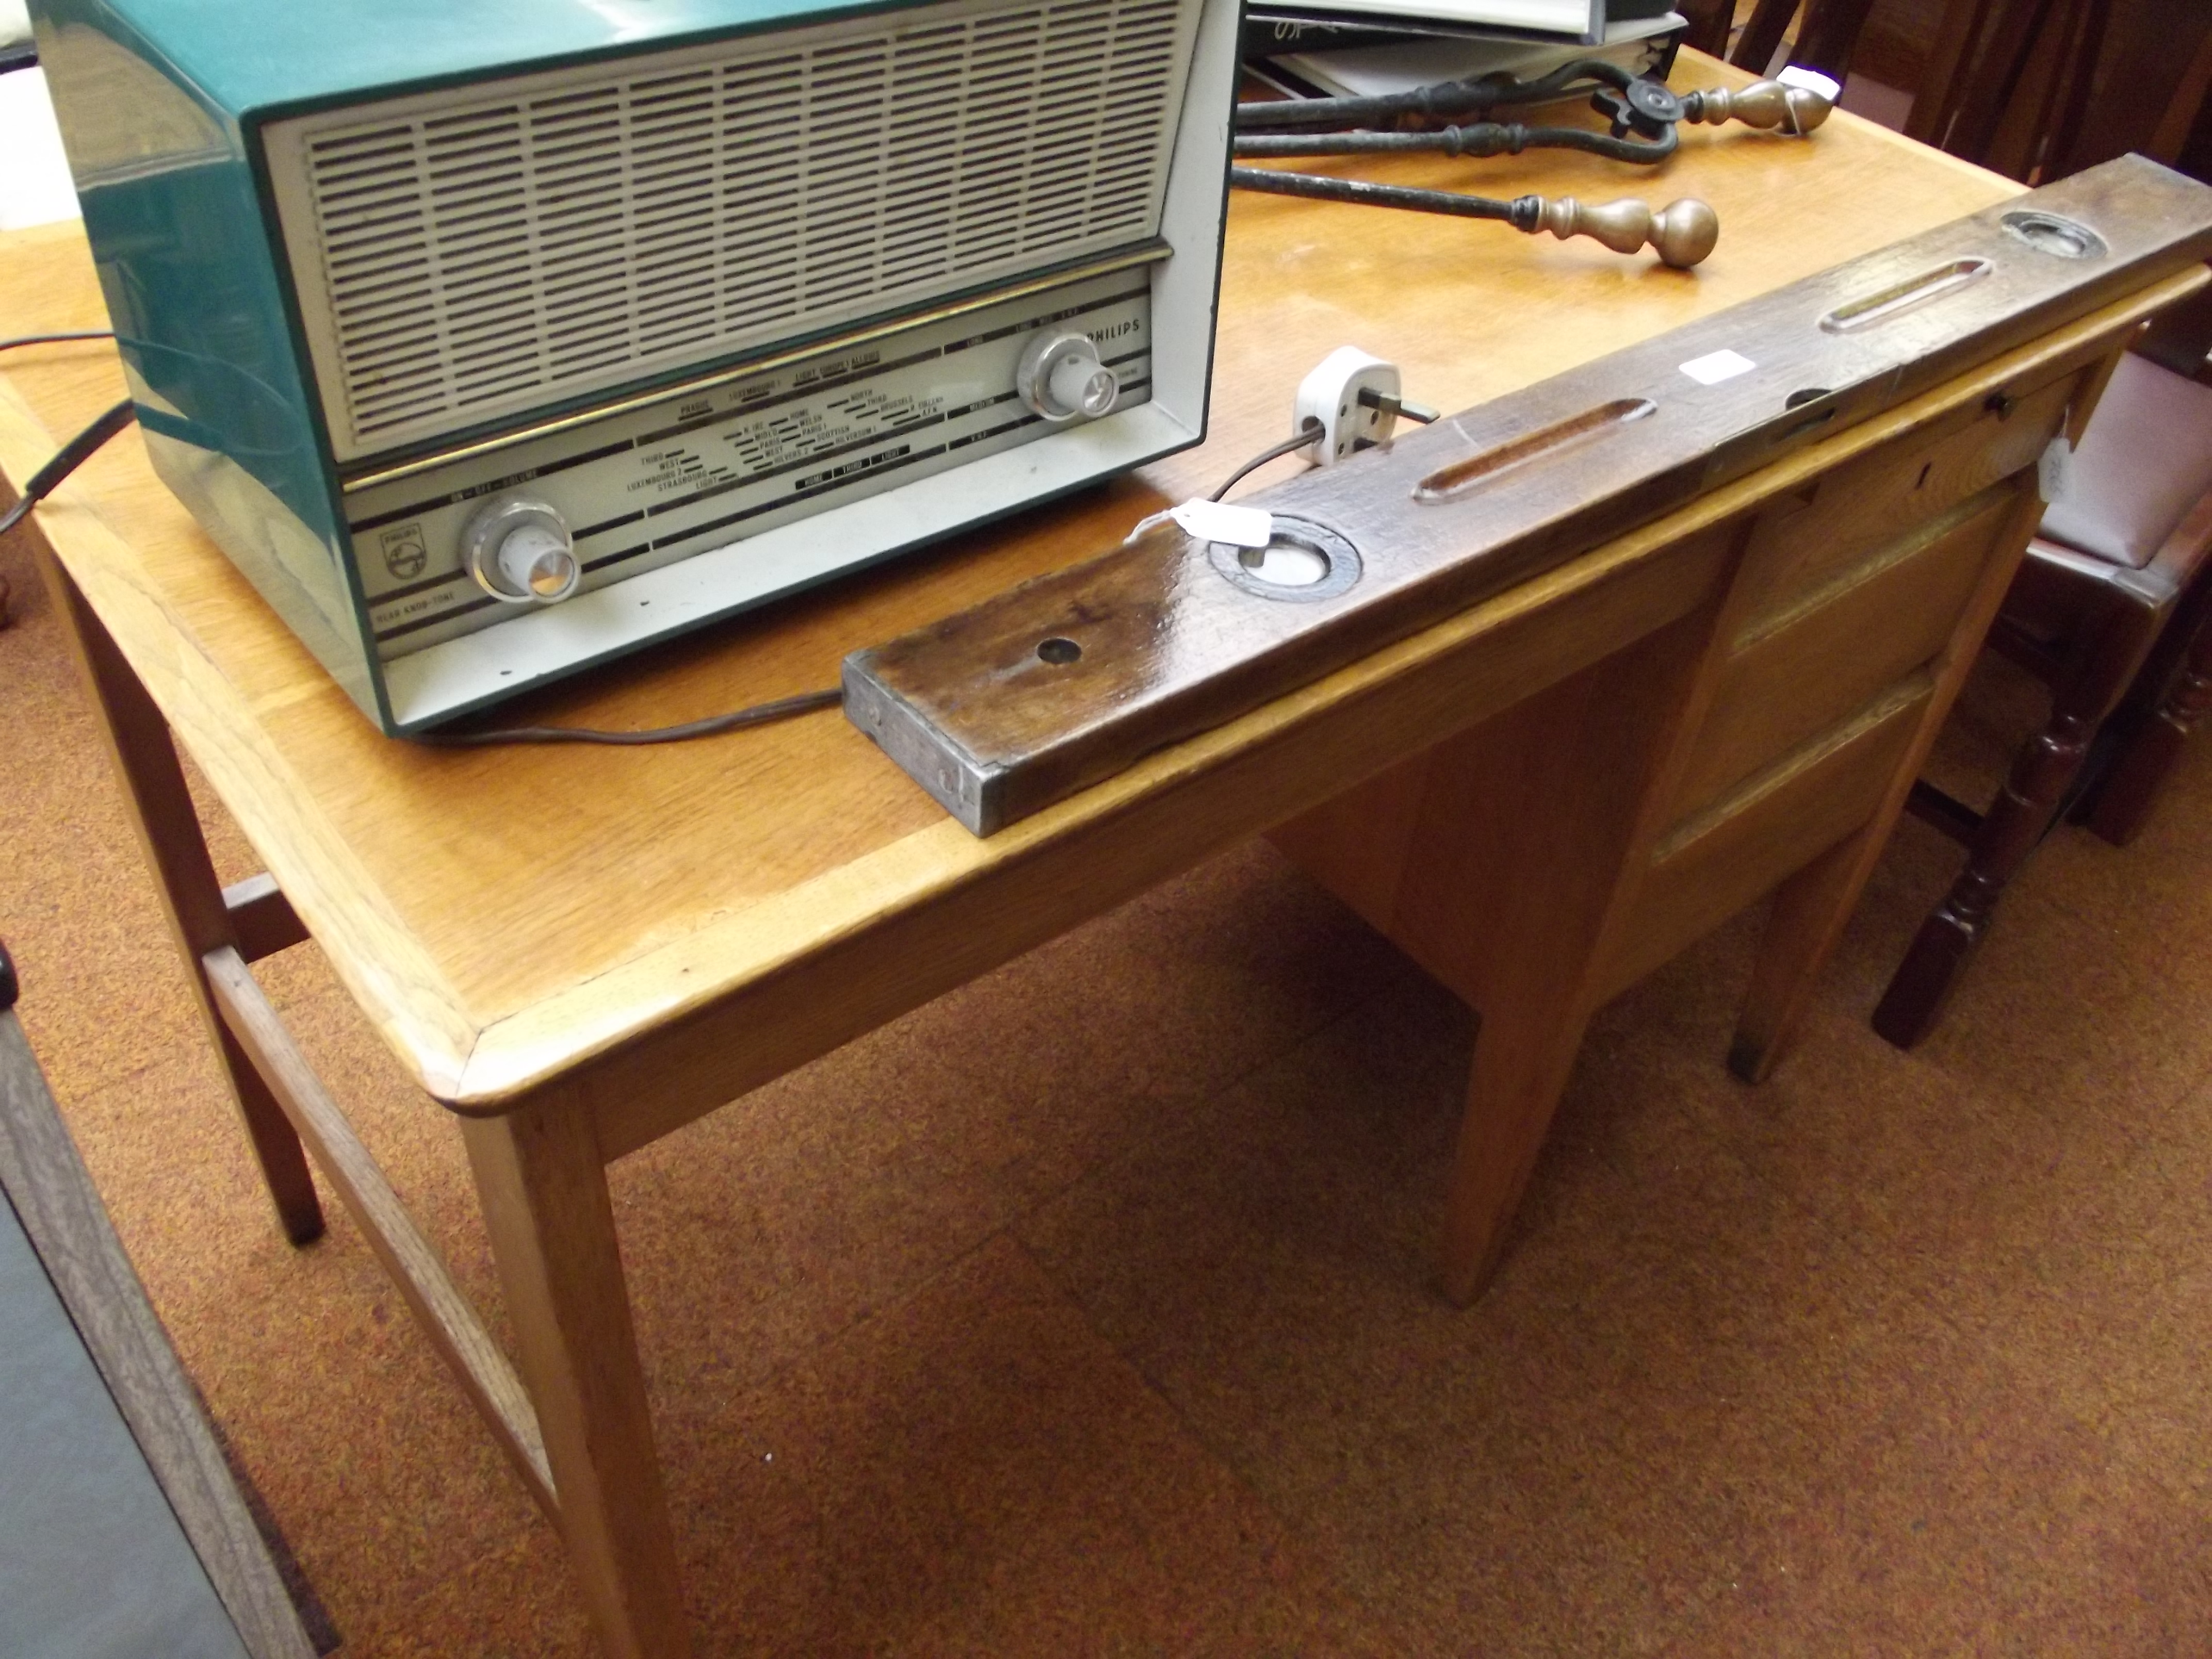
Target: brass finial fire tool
[[1681, 233], [1646, 115]]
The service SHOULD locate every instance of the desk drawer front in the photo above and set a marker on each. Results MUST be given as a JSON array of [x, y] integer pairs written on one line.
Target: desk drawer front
[[1813, 666], [1712, 866], [1863, 508]]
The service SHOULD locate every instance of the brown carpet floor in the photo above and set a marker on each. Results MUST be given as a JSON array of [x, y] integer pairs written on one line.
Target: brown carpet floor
[[1086, 1310]]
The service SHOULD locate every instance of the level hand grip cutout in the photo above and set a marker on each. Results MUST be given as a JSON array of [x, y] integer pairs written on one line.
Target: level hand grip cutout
[[1929, 285], [1450, 483]]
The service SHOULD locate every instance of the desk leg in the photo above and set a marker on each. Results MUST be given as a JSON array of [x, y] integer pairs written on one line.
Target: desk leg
[[160, 806], [1535, 888], [543, 1189], [1498, 861], [1810, 910], [1524, 1052]]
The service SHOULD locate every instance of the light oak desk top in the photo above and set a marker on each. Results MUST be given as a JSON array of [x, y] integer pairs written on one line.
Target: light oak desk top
[[503, 915], [581, 949]]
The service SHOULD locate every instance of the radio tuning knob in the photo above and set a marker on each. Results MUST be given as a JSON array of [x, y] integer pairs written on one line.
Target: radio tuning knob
[[519, 550], [1060, 378]]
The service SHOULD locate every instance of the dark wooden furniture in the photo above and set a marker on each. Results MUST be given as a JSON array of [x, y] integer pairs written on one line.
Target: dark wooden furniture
[[2041, 89], [1709, 24], [2035, 89], [2109, 609], [1825, 38], [122, 1530]]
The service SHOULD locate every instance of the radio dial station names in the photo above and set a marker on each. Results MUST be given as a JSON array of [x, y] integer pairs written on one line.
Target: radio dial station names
[[700, 470]]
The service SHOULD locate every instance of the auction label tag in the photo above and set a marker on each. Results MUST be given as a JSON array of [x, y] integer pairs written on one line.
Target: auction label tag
[[1717, 366], [1217, 521]]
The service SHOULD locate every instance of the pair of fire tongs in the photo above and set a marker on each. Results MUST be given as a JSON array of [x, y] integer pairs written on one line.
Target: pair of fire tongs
[[1645, 114]]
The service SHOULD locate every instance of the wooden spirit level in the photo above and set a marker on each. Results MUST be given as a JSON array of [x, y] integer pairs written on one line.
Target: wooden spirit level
[[1006, 708]]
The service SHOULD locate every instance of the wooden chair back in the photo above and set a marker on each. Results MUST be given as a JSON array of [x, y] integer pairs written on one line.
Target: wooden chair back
[[2037, 89]]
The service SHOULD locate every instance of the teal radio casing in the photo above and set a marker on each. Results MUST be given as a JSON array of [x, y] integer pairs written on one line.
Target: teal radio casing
[[495, 339]]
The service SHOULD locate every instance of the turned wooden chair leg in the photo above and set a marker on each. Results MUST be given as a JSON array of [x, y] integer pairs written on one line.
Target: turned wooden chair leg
[[2147, 754], [2042, 774], [161, 806]]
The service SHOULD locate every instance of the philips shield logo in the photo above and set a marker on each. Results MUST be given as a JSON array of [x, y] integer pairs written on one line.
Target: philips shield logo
[[404, 555]]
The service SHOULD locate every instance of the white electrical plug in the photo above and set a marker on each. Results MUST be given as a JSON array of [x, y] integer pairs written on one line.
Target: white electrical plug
[[1330, 394]]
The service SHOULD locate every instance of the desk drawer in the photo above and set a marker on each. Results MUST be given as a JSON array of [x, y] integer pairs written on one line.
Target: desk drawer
[[1865, 506], [1711, 866], [1813, 664]]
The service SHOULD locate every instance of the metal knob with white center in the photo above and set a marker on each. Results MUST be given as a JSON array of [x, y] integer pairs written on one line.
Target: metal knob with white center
[[1060, 378], [519, 550]]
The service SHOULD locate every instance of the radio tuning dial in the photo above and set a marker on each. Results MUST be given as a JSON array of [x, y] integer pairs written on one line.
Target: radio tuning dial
[[1060, 378], [519, 550]]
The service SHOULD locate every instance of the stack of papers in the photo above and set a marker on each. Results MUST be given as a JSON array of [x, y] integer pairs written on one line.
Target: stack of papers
[[1325, 61], [1564, 20]]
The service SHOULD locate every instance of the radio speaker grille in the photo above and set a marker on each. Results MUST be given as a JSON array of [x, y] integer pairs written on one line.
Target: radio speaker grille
[[500, 248]]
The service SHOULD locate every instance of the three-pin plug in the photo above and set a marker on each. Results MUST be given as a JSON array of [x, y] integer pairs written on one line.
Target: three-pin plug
[[1354, 397]]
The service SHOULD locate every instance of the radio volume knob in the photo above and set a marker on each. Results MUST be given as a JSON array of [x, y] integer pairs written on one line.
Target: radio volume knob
[[535, 560], [519, 550], [1060, 378]]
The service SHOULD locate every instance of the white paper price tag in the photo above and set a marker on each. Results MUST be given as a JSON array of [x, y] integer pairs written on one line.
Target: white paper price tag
[[2054, 470], [1217, 521], [1717, 366]]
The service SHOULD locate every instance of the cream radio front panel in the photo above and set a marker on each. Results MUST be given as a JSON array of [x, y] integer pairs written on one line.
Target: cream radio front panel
[[705, 466]]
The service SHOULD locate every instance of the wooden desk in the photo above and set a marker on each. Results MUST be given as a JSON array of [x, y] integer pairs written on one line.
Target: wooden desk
[[578, 951]]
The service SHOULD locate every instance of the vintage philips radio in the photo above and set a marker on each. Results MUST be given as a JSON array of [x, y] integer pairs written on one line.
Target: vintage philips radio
[[492, 339]]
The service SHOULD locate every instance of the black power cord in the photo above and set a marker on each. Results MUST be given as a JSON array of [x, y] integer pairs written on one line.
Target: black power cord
[[74, 453], [1302, 438], [69, 457], [806, 703], [761, 714], [63, 338], [19, 55]]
